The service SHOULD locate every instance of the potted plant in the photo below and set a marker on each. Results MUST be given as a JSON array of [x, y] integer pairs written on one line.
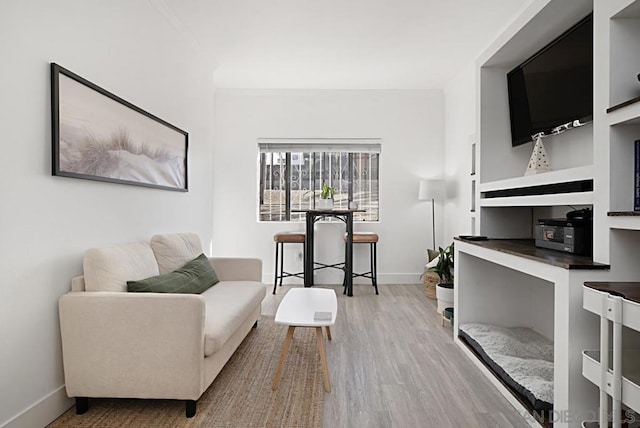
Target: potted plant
[[444, 270], [326, 197]]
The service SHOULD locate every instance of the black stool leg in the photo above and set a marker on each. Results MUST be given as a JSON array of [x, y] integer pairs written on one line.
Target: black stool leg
[[344, 269], [275, 273], [371, 263], [304, 259], [374, 268], [281, 262]]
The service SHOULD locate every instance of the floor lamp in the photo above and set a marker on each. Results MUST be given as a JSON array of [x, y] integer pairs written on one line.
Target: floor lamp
[[431, 190]]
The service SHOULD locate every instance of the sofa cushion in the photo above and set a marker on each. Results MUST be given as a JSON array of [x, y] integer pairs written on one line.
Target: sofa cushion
[[109, 268], [228, 304], [173, 250], [194, 277]]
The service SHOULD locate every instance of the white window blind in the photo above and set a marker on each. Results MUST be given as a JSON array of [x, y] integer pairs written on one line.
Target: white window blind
[[307, 145]]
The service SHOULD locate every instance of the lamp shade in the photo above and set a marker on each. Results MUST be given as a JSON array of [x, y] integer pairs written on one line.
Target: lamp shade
[[431, 189]]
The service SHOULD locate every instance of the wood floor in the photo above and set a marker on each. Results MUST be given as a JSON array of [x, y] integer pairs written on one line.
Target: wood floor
[[392, 364]]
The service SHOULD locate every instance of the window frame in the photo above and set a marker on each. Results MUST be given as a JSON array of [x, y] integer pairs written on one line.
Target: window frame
[[299, 145]]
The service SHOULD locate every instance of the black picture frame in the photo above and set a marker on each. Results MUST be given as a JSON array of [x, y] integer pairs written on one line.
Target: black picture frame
[[99, 136]]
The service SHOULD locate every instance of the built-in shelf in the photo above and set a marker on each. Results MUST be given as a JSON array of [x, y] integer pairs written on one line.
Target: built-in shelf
[[624, 104], [623, 213], [572, 186], [526, 248], [627, 113], [629, 220], [552, 177], [581, 198]]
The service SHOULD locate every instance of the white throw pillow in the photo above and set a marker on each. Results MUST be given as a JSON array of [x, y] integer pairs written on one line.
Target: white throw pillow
[[174, 250], [109, 268]]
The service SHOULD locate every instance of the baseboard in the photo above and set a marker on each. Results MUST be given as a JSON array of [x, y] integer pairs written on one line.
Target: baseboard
[[43, 412]]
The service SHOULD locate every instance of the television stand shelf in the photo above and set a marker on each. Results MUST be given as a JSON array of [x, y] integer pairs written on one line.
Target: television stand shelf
[[512, 283], [526, 248]]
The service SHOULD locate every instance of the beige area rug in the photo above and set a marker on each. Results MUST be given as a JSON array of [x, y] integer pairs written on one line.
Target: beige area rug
[[240, 396]]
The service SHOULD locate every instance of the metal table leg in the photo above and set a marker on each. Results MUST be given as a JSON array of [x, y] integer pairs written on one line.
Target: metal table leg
[[308, 262], [349, 255]]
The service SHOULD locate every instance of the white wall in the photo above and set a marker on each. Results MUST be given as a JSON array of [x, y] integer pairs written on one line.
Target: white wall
[[410, 124], [460, 116], [46, 223]]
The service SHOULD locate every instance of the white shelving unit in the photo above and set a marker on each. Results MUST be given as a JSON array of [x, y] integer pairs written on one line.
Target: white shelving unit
[[524, 288], [614, 369]]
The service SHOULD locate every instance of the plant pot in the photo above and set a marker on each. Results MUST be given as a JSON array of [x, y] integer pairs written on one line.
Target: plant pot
[[325, 204], [444, 294]]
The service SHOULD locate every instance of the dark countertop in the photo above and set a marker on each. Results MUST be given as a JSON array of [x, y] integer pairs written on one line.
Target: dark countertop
[[626, 290], [623, 213], [526, 248]]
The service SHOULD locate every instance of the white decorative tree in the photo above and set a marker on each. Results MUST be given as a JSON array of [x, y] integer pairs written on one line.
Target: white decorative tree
[[538, 162]]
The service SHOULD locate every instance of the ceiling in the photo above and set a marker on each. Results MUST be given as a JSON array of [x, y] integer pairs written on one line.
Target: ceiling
[[340, 44]]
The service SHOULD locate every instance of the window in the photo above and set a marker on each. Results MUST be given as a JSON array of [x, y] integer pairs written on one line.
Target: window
[[292, 172]]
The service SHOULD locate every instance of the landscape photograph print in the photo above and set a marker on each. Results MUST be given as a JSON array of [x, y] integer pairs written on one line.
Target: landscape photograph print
[[99, 136]]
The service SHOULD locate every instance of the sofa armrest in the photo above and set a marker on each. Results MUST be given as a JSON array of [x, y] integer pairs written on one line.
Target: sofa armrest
[[139, 345], [237, 269]]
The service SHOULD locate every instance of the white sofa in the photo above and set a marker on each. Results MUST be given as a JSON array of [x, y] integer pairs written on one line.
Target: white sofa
[[121, 344]]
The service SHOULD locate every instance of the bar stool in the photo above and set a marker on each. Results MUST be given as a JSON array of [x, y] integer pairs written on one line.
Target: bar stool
[[280, 239], [371, 239]]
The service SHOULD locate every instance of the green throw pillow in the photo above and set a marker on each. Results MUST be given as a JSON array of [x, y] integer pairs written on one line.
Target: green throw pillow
[[194, 277]]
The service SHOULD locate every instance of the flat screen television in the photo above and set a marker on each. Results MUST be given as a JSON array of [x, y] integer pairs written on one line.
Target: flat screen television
[[554, 86]]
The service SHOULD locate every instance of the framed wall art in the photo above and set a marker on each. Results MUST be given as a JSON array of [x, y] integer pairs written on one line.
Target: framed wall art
[[99, 136]]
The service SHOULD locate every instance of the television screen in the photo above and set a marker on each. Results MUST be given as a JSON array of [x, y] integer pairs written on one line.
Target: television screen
[[554, 86]]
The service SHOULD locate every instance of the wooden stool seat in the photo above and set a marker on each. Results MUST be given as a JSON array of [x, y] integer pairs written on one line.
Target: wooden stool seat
[[280, 239], [289, 237], [362, 237]]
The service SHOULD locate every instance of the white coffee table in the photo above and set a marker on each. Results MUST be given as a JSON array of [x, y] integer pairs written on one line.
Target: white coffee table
[[297, 309]]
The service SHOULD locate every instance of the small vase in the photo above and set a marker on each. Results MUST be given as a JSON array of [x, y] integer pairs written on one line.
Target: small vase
[[325, 204]]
